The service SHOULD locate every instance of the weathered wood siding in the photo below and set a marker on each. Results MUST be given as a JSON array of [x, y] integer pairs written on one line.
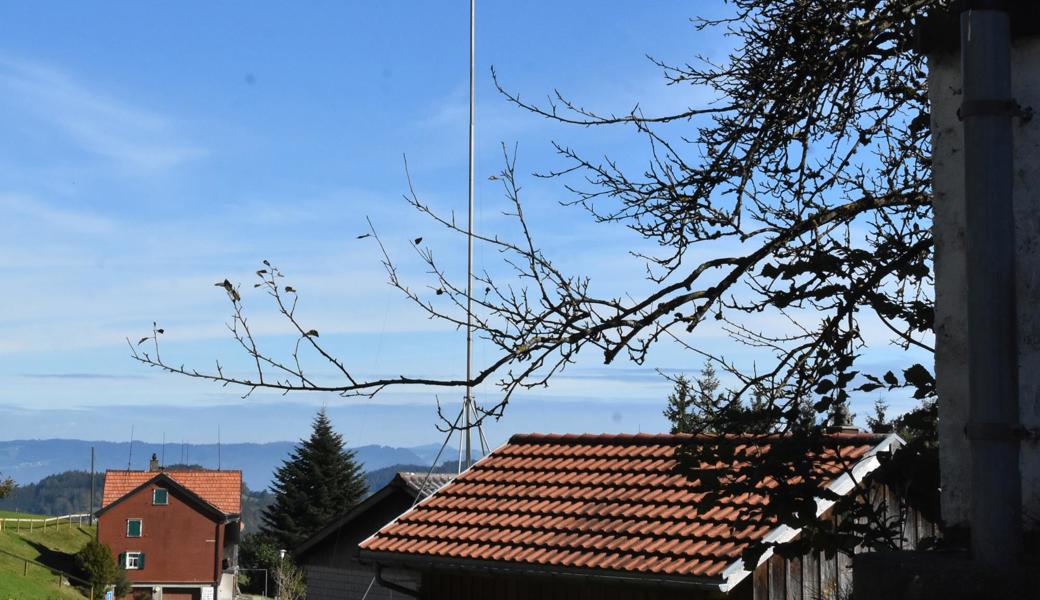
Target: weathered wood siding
[[353, 582], [332, 566], [819, 577]]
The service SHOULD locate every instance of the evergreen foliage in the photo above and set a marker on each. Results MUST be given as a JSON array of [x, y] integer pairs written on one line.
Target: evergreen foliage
[[257, 551], [692, 403], [98, 565], [700, 407], [59, 494], [878, 422], [6, 486], [320, 480]]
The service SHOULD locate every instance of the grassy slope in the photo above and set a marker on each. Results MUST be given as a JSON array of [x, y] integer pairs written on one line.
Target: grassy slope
[[52, 547]]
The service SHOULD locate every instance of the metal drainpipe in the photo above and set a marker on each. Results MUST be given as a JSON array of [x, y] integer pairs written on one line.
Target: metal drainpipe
[[394, 586], [987, 110]]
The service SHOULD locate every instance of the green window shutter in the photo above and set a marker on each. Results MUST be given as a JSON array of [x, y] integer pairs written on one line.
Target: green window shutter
[[122, 560], [160, 496], [140, 561], [133, 528]]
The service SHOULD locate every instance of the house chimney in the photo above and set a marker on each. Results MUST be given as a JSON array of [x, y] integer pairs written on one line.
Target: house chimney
[[153, 465]]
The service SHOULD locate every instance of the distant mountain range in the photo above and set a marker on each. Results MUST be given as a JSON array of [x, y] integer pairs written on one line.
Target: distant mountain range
[[28, 461]]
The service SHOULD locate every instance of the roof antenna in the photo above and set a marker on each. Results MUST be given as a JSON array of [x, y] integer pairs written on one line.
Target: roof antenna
[[130, 458], [467, 407], [163, 461]]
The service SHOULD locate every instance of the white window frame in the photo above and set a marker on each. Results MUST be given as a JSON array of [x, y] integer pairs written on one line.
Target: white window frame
[[165, 491], [140, 527], [133, 561]]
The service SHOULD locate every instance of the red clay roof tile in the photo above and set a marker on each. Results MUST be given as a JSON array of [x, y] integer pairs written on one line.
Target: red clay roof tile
[[222, 489], [610, 502]]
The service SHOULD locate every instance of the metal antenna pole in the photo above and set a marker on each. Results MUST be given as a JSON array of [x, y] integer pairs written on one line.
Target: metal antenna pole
[[92, 477], [996, 495], [130, 456], [469, 237]]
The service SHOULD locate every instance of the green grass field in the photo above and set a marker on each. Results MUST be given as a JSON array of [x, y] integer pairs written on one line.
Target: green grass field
[[53, 547]]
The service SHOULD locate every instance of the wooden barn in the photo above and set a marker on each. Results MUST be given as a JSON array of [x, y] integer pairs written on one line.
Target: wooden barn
[[330, 557], [607, 517]]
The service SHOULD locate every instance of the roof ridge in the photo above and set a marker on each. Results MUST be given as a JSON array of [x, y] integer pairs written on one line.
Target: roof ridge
[[671, 438], [165, 470]]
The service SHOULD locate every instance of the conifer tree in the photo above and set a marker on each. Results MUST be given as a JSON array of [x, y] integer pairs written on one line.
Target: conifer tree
[[678, 410], [319, 481], [698, 406], [691, 400], [6, 486]]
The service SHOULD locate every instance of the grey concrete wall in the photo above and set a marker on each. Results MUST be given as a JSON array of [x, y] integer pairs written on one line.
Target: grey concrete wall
[[351, 583], [951, 359]]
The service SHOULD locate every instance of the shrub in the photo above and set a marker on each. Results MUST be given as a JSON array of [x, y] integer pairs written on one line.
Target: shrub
[[98, 565]]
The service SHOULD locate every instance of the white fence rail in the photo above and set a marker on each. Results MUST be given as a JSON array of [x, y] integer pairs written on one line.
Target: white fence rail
[[32, 524]]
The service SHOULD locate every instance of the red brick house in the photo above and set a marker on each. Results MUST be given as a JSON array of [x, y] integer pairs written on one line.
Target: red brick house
[[608, 516], [175, 532]]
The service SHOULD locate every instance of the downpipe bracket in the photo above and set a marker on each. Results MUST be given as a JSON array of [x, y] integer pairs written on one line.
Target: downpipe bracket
[[1001, 432], [1008, 107]]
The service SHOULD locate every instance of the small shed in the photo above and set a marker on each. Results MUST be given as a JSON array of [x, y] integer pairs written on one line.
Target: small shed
[[330, 557], [608, 516]]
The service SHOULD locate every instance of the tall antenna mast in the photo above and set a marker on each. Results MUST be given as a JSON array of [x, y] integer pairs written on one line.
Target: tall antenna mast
[[468, 407]]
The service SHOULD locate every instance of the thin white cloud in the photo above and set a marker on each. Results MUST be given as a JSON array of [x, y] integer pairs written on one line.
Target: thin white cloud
[[20, 210], [98, 123]]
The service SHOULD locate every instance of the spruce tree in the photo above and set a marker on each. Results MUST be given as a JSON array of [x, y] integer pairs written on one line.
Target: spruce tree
[[319, 481], [698, 406], [692, 402], [678, 411]]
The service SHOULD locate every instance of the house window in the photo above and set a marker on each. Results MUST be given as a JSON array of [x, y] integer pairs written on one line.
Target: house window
[[160, 496], [133, 560], [133, 528]]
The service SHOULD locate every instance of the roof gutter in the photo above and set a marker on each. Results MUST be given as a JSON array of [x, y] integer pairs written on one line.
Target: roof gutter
[[490, 567], [396, 587]]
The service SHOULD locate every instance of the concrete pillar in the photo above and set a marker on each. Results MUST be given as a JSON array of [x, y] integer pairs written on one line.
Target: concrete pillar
[[951, 359]]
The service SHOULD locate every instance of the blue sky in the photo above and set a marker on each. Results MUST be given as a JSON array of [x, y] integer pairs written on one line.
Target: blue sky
[[149, 151]]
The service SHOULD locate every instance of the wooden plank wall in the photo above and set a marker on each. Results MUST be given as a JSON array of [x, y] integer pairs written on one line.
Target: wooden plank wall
[[818, 577]]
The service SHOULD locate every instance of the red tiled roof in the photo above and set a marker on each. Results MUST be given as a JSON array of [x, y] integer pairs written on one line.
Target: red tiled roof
[[605, 502], [222, 489]]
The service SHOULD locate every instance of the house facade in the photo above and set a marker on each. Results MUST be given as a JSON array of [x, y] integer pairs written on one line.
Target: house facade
[[609, 516], [176, 533], [330, 556]]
